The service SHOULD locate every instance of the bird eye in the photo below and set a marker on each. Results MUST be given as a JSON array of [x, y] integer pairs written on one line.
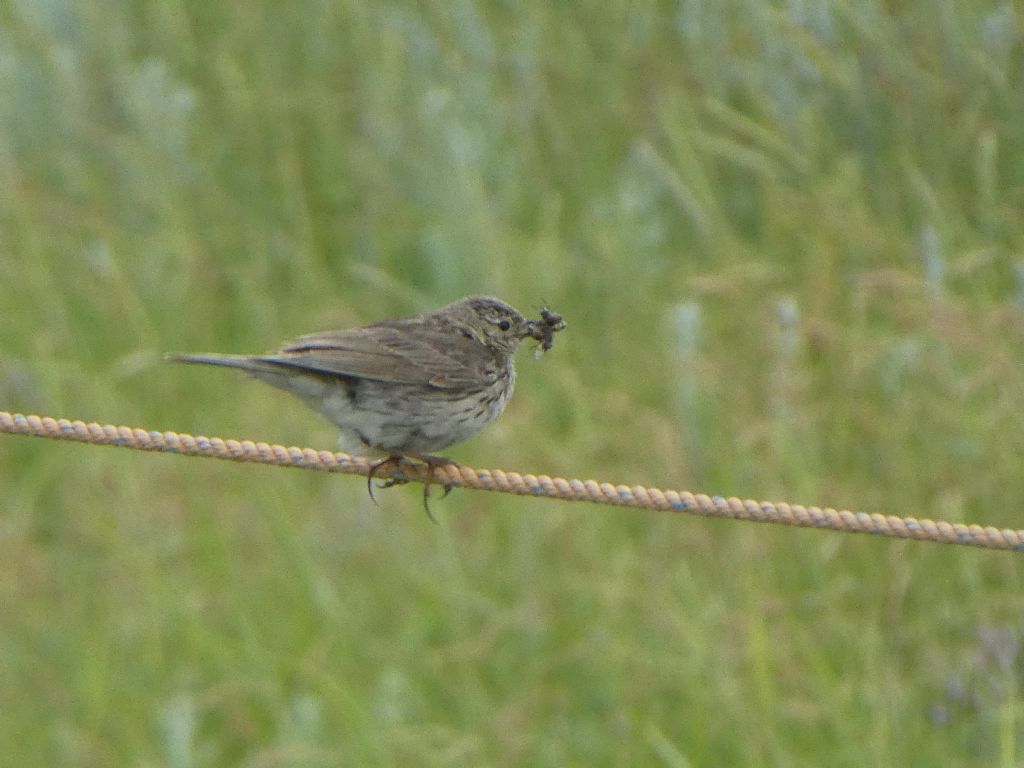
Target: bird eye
[[504, 325]]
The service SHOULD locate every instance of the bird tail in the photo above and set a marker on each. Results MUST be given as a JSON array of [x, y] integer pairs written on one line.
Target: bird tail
[[245, 362]]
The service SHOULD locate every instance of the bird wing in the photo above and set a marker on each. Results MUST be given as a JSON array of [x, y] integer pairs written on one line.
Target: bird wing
[[394, 353]]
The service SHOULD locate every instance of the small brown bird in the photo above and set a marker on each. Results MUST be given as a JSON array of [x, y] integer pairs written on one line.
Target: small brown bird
[[406, 387]]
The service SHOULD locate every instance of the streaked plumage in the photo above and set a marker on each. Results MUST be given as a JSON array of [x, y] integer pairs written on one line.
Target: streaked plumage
[[409, 386]]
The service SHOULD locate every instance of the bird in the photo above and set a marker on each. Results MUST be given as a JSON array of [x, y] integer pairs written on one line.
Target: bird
[[405, 387]]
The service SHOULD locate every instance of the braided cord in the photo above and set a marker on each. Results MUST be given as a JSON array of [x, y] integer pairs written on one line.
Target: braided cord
[[455, 475]]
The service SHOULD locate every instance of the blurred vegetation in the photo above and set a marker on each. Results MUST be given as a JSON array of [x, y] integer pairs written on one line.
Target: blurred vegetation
[[788, 240]]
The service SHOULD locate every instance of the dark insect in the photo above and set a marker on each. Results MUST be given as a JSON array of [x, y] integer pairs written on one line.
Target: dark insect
[[544, 330]]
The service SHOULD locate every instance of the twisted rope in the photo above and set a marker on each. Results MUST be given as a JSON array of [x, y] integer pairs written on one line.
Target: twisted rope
[[522, 485]]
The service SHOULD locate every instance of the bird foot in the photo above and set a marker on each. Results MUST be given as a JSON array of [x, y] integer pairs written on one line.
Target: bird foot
[[400, 461]]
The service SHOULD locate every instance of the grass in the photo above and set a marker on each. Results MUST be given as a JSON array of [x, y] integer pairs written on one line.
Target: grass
[[787, 239]]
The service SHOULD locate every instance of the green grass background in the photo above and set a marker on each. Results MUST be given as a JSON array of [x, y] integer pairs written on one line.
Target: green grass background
[[788, 239]]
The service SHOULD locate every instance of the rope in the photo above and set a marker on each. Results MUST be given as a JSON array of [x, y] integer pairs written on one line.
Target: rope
[[457, 476]]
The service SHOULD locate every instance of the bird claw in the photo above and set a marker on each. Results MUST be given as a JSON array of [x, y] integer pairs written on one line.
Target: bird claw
[[433, 462], [396, 461]]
